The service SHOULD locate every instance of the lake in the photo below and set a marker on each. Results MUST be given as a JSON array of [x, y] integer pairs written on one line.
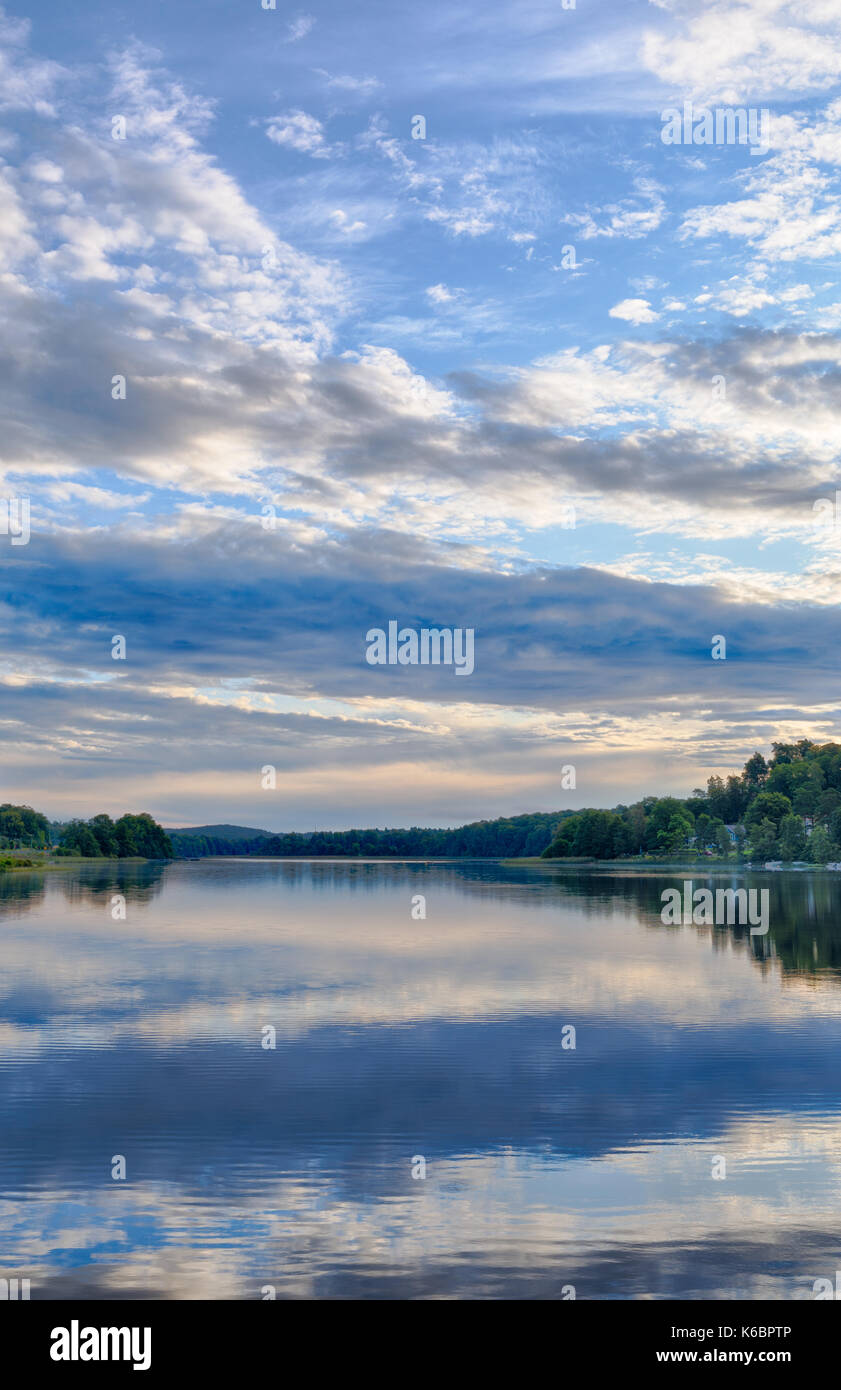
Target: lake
[[423, 1125]]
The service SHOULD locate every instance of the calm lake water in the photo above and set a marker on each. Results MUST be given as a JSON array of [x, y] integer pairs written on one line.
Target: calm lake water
[[401, 1039]]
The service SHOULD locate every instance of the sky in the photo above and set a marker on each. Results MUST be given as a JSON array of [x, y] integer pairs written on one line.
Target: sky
[[419, 319]]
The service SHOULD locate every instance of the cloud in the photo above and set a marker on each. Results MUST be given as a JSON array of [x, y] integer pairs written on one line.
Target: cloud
[[263, 377], [221, 679], [634, 310], [26, 83], [347, 225], [17, 241], [791, 210], [300, 27], [632, 217], [349, 85], [468, 188], [299, 131], [439, 294], [738, 53]]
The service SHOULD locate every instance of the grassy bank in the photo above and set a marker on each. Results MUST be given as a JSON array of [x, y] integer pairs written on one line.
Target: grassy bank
[[11, 862]]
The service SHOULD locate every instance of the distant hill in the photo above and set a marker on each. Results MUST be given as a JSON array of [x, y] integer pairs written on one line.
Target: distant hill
[[222, 832], [199, 841], [507, 836]]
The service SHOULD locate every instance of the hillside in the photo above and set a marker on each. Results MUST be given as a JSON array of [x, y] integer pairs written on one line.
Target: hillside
[[507, 836], [786, 809], [222, 832]]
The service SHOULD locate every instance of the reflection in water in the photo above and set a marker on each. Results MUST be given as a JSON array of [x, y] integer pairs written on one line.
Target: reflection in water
[[292, 1166], [138, 882]]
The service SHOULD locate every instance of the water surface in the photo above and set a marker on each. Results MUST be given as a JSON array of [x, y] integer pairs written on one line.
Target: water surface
[[548, 1168]]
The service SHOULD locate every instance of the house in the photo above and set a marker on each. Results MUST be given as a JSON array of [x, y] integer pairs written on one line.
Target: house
[[732, 831]]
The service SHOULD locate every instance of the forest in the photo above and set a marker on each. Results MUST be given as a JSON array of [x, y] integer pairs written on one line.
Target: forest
[[129, 837], [101, 837], [787, 808], [506, 837], [21, 827]]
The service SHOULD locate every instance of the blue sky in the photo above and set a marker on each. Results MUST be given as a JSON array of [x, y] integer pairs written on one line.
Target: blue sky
[[427, 356]]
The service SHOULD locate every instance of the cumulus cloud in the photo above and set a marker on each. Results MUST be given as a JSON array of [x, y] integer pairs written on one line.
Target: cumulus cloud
[[299, 131], [737, 53], [634, 310], [791, 210], [439, 294], [26, 83]]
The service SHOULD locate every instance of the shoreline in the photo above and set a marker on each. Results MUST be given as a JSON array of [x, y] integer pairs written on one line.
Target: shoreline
[[696, 867], [797, 866], [71, 862]]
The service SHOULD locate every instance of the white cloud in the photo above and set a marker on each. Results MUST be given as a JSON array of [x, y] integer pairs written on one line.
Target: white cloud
[[45, 171], [352, 86], [94, 496], [742, 298], [26, 84], [299, 131], [299, 28], [631, 217], [792, 209], [634, 310], [739, 53], [348, 226], [16, 230]]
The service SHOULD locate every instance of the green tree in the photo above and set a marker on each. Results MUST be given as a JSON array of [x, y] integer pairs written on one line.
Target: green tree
[[722, 837], [771, 804], [20, 825], [636, 827], [792, 838], [150, 839], [661, 811], [676, 834], [828, 802], [763, 839], [820, 849], [139, 835], [79, 838], [103, 829], [755, 771]]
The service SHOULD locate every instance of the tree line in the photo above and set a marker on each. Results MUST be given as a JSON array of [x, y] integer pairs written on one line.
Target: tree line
[[129, 837], [506, 837], [786, 808], [100, 837], [204, 846], [21, 827]]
